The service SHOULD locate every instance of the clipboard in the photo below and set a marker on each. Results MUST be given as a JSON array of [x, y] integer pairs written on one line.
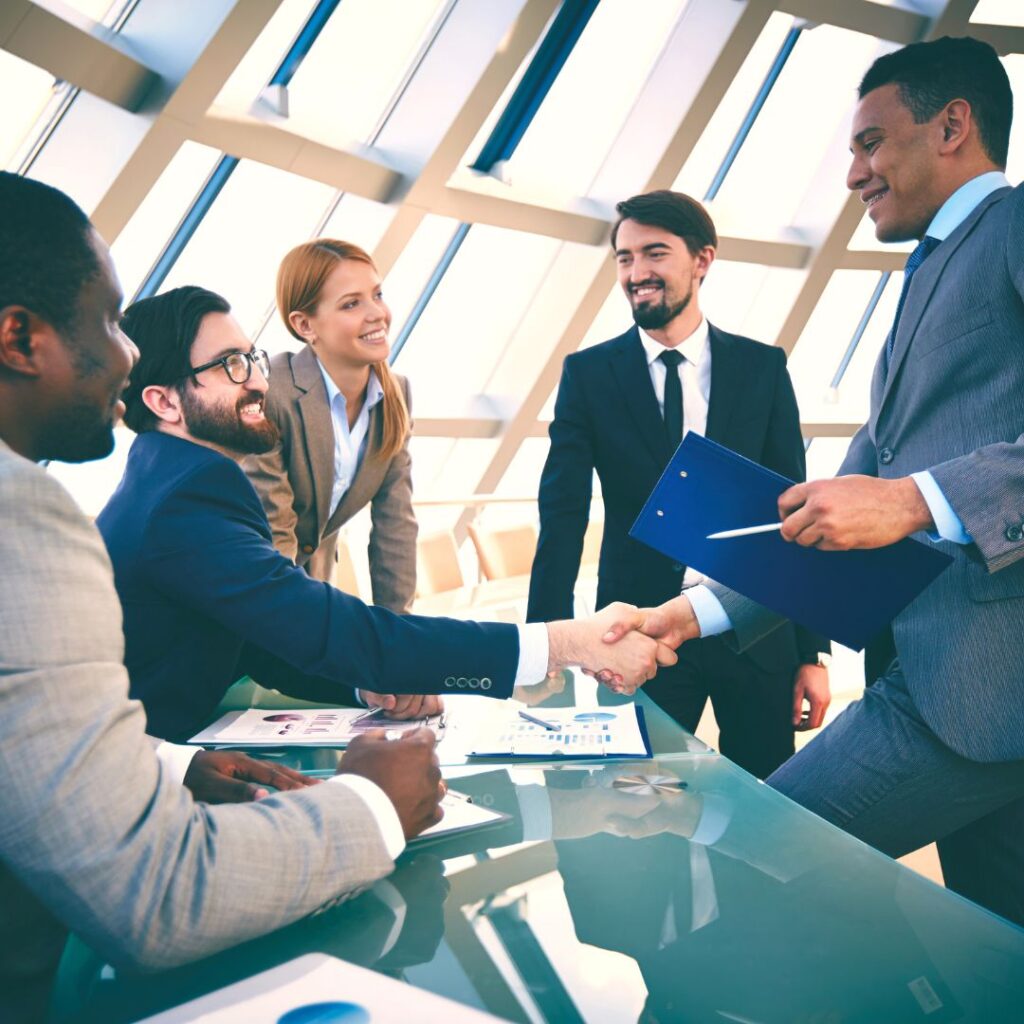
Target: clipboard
[[849, 596]]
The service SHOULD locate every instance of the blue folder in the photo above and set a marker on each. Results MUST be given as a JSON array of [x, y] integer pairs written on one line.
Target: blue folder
[[849, 596]]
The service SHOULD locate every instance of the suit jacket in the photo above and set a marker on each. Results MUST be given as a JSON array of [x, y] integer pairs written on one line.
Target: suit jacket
[[607, 418], [294, 483], [953, 402], [93, 835], [206, 598]]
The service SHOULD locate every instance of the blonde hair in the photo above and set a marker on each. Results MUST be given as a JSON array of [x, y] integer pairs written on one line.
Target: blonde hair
[[300, 283]]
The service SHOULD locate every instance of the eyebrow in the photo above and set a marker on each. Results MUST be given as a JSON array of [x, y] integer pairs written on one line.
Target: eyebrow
[[645, 248], [230, 351], [861, 135]]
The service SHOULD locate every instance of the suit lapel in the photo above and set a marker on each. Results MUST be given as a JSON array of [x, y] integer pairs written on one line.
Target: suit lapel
[[628, 367], [317, 429], [924, 283], [726, 384]]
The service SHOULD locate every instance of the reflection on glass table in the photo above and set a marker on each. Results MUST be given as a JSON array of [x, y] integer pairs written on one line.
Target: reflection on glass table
[[679, 889]]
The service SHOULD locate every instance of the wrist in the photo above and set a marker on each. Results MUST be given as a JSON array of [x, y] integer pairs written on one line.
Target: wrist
[[918, 515], [560, 645]]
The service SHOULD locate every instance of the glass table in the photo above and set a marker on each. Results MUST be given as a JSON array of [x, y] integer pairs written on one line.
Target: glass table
[[676, 889]]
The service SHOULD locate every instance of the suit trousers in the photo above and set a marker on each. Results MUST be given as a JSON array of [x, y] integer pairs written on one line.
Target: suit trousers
[[753, 707], [879, 773]]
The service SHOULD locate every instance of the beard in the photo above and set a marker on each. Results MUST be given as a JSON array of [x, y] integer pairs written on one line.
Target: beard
[[223, 425], [653, 315], [79, 432]]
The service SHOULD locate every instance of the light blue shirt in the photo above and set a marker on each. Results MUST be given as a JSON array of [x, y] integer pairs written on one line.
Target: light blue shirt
[[711, 616], [349, 443]]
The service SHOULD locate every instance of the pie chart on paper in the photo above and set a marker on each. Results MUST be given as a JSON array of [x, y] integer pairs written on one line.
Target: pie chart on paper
[[327, 1013]]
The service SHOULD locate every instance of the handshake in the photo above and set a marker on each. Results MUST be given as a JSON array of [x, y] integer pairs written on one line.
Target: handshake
[[622, 646]]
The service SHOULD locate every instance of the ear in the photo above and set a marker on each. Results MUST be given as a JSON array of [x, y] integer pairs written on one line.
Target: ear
[[21, 336], [957, 123], [702, 262], [302, 326], [164, 403]]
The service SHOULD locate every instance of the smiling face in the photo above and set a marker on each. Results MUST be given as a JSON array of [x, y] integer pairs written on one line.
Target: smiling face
[[215, 409], [86, 379], [896, 165], [350, 324], [657, 272]]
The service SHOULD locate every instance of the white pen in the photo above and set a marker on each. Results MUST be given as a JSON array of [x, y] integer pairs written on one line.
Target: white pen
[[744, 532], [550, 726]]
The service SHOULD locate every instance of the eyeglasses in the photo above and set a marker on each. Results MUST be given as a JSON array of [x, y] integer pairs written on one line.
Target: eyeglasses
[[238, 365]]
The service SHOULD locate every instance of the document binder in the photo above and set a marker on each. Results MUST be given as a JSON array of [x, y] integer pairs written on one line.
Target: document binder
[[849, 596]]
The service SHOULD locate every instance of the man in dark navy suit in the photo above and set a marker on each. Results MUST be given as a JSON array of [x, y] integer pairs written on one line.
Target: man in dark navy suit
[[207, 598], [622, 408]]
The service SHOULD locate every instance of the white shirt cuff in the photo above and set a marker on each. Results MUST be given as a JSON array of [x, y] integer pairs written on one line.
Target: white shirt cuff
[[533, 654], [381, 807], [711, 617], [947, 522], [176, 758]]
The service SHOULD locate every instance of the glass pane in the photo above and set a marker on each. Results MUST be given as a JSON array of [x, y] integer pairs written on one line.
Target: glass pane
[[464, 330], [92, 483], [802, 96], [137, 247], [714, 142], [443, 468], [821, 347], [345, 85], [999, 12], [749, 298], [1015, 69], [33, 87], [590, 90], [236, 252]]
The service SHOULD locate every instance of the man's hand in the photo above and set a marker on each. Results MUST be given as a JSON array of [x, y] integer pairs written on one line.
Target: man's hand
[[406, 769], [404, 705], [624, 665], [231, 777], [671, 623], [852, 512], [810, 684]]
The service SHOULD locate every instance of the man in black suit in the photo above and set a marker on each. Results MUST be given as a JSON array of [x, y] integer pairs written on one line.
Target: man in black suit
[[622, 409]]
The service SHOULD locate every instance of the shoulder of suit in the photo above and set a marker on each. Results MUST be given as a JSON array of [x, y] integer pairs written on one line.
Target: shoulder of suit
[[26, 487], [750, 348], [600, 351]]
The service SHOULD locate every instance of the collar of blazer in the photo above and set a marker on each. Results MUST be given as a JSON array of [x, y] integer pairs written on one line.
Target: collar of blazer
[[925, 281], [318, 429], [633, 378]]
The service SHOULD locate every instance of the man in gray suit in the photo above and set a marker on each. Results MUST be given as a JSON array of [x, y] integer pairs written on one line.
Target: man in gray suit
[[935, 749], [95, 834]]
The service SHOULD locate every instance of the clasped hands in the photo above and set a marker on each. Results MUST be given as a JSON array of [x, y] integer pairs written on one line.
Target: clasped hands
[[623, 646]]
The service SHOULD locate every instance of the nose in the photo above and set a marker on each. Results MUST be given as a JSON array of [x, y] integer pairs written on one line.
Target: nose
[[257, 381], [639, 271], [131, 349], [859, 173]]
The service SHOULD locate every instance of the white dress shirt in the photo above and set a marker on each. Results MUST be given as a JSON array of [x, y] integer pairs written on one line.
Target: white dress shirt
[[694, 375]]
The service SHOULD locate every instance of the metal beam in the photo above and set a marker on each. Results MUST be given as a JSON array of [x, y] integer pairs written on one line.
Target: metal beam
[[73, 48], [892, 23], [1005, 38]]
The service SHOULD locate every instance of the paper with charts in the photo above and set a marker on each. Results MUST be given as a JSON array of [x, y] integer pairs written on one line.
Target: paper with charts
[[616, 731], [319, 989], [301, 727]]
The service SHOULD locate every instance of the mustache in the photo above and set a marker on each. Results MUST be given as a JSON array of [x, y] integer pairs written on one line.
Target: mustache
[[651, 282]]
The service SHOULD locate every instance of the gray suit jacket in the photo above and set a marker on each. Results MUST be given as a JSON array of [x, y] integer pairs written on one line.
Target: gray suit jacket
[[93, 835], [953, 403], [294, 483]]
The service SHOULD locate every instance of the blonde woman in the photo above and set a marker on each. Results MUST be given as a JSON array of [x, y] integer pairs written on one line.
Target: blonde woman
[[344, 422]]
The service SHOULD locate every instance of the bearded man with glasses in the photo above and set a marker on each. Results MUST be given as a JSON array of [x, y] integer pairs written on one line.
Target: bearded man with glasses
[[206, 596]]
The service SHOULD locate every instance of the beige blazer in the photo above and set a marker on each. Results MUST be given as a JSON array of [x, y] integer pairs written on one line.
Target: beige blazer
[[294, 483]]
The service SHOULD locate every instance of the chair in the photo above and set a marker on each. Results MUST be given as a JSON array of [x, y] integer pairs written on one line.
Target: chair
[[504, 552], [437, 564]]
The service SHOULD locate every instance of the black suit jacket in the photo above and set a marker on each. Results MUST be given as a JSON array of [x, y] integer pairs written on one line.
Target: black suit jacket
[[607, 418]]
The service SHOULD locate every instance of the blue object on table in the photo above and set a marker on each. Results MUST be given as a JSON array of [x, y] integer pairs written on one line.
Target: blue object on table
[[847, 595], [326, 1013]]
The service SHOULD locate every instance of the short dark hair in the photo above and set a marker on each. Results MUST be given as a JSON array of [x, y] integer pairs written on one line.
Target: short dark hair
[[164, 329], [46, 251], [930, 75], [672, 211]]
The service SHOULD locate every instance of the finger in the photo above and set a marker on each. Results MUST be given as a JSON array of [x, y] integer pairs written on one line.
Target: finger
[[796, 522], [283, 778], [798, 704], [225, 790], [792, 499], [386, 701], [421, 735], [665, 655], [624, 623], [817, 716]]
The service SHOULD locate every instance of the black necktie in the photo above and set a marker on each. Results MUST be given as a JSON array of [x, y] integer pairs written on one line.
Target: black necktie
[[914, 260], [673, 397]]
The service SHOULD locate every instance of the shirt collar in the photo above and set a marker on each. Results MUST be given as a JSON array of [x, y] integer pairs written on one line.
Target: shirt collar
[[693, 349], [374, 390], [956, 209]]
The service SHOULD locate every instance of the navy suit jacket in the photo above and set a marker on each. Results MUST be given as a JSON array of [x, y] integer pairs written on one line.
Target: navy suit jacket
[[207, 598], [607, 418]]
